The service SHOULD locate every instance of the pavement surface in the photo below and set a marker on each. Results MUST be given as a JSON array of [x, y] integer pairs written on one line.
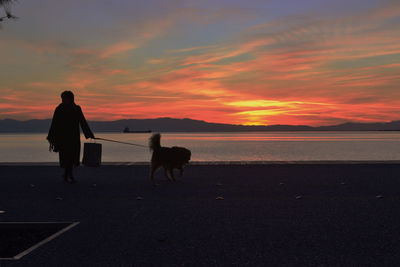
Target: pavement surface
[[216, 215]]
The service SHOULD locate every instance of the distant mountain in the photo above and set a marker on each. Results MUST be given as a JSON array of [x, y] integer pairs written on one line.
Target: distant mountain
[[351, 126], [188, 125]]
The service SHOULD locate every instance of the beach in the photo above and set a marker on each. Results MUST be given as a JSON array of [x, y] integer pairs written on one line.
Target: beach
[[236, 214]]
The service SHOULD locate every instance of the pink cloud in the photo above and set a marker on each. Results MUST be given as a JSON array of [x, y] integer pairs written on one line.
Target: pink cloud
[[118, 48]]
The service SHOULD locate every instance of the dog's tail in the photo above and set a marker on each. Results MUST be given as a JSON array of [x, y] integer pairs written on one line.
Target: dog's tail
[[154, 141]]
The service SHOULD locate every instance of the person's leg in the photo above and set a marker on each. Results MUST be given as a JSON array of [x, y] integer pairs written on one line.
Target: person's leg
[[65, 175], [62, 159], [66, 162], [71, 178]]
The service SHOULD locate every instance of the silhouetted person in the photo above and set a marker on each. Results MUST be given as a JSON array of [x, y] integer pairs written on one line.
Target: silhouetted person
[[64, 133]]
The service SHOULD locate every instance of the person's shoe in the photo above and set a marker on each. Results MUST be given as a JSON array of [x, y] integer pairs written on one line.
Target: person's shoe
[[65, 177], [72, 180]]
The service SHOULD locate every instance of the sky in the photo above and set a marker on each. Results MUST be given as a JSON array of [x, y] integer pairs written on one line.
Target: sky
[[253, 62]]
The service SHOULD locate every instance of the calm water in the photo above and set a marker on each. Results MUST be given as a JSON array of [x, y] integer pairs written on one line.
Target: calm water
[[224, 146]]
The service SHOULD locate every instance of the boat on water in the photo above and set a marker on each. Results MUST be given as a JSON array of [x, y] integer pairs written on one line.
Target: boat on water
[[126, 130]]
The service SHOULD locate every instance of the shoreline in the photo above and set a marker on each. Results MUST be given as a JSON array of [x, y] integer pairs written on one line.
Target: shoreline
[[277, 162], [194, 132]]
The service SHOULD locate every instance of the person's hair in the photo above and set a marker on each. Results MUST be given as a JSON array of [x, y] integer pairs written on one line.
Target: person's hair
[[67, 94]]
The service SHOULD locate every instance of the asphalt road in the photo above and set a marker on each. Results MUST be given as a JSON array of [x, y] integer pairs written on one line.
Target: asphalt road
[[269, 215]]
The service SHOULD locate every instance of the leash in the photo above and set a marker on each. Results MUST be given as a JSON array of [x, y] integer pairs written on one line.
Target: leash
[[126, 143]]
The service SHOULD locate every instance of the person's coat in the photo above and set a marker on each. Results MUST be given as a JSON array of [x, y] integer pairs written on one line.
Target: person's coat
[[64, 133]]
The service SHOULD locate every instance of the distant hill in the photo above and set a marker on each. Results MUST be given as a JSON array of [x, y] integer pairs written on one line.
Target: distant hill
[[188, 125]]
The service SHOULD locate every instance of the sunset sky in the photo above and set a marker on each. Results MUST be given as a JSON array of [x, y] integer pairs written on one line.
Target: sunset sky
[[312, 62]]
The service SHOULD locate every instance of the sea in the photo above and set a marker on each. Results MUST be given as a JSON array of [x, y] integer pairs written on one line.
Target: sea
[[221, 146]]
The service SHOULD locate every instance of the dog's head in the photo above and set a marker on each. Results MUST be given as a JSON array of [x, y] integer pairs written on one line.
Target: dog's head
[[187, 155], [181, 154]]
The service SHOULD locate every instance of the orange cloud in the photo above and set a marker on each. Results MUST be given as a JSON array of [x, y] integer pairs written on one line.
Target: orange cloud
[[117, 48]]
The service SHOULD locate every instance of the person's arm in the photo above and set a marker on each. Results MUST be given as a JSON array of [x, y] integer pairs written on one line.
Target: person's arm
[[51, 136], [84, 125]]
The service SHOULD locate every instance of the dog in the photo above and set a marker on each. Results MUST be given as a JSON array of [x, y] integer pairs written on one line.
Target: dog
[[168, 157]]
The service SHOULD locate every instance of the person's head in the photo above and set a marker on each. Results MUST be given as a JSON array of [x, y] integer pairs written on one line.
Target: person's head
[[67, 97]]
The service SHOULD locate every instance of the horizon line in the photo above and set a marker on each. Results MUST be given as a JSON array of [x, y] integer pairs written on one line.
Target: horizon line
[[245, 125]]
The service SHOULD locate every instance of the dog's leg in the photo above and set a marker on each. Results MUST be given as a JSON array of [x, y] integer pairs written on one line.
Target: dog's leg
[[166, 173], [171, 171], [181, 171], [153, 169]]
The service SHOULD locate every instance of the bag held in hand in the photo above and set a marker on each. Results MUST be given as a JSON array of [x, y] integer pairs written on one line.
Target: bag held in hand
[[91, 154]]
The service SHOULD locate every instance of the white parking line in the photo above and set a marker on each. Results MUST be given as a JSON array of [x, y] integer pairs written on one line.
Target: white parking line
[[27, 251]]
